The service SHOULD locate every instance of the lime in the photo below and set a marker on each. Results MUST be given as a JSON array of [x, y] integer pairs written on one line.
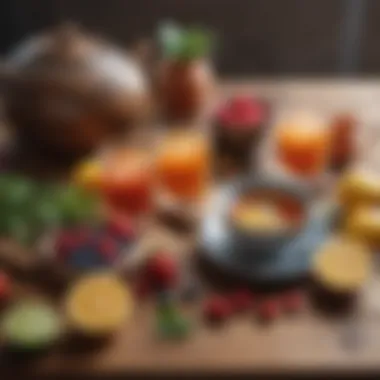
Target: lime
[[31, 325]]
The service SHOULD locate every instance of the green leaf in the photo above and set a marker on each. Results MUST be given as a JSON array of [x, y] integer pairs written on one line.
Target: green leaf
[[17, 200], [197, 43], [28, 208], [16, 193], [173, 327], [171, 39], [76, 206], [47, 215]]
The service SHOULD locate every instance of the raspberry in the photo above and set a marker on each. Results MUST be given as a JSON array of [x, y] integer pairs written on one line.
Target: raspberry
[[64, 243], [241, 300], [268, 310], [162, 270], [81, 235], [217, 309], [246, 110], [121, 228], [107, 248], [242, 104], [293, 301]]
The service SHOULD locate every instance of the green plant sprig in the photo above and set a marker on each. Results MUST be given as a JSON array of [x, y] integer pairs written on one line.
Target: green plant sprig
[[185, 44], [29, 208]]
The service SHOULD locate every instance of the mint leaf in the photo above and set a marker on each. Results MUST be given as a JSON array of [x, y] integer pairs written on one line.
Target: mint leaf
[[171, 39], [195, 44], [184, 44]]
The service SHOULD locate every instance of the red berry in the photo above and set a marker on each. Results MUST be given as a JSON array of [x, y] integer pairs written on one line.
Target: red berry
[[241, 104], [269, 309], [107, 248], [217, 309], [5, 287], [64, 243], [246, 110], [293, 301], [241, 300], [162, 270], [81, 235], [122, 228]]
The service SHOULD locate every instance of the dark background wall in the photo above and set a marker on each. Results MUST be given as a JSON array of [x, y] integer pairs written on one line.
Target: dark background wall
[[257, 37]]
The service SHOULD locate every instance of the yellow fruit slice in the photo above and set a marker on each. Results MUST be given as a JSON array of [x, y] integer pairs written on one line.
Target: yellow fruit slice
[[359, 187], [342, 264], [98, 303], [88, 175], [364, 223]]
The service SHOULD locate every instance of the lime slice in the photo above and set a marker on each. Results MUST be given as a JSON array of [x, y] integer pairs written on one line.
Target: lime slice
[[31, 325]]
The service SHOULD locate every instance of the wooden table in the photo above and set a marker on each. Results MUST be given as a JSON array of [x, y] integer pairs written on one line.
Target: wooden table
[[305, 343]]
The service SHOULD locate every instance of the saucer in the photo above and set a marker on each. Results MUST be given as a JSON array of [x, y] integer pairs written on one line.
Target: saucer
[[287, 263]]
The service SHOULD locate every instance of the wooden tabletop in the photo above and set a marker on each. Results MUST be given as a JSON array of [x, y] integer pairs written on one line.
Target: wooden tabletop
[[303, 343]]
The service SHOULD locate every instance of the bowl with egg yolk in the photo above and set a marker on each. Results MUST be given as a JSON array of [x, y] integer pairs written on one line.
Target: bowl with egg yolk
[[267, 214]]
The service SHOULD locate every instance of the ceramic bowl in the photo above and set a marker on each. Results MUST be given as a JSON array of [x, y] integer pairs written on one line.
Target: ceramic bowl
[[254, 243]]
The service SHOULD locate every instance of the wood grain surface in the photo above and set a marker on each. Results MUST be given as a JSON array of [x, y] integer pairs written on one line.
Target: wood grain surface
[[305, 343]]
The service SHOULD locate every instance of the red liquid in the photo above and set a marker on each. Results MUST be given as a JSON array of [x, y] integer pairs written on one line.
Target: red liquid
[[128, 183]]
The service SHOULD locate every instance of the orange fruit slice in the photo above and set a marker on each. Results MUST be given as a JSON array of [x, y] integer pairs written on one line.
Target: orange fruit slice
[[98, 303], [342, 264]]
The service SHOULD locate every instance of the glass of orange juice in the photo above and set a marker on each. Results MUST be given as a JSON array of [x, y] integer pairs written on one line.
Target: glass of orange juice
[[128, 180], [302, 146], [183, 164]]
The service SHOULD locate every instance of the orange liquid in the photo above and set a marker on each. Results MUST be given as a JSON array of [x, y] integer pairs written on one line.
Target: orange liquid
[[183, 165], [302, 150], [128, 181]]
